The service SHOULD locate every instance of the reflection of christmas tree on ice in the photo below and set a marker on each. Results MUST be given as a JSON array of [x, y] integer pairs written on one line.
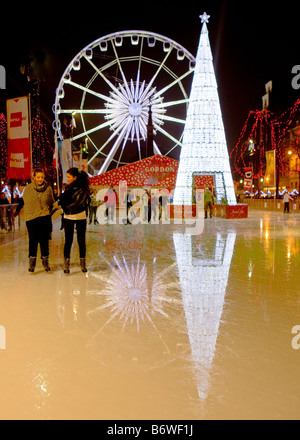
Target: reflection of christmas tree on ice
[[203, 277], [204, 148]]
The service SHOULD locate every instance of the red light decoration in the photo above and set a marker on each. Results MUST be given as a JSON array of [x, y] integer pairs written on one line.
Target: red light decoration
[[42, 151], [267, 132], [3, 148]]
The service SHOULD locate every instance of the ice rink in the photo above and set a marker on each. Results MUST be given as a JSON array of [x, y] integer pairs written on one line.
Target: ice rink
[[164, 326]]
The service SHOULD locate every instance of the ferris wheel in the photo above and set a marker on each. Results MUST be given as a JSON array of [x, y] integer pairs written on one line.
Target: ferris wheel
[[109, 87]]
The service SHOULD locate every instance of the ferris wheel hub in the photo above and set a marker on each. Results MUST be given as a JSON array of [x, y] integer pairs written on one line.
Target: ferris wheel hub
[[135, 109]]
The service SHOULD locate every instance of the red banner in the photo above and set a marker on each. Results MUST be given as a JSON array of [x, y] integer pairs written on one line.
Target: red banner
[[18, 139], [248, 180]]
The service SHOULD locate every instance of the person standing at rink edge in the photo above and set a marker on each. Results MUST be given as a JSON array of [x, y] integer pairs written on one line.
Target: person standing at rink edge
[[74, 202], [286, 202], [38, 200], [208, 202]]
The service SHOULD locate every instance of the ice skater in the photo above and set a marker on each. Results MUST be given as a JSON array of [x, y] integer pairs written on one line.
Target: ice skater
[[38, 200], [74, 202], [208, 202], [93, 208], [286, 202], [110, 199]]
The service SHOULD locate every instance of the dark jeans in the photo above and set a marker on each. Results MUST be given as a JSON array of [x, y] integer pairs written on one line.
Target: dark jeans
[[39, 232], [93, 213], [69, 234]]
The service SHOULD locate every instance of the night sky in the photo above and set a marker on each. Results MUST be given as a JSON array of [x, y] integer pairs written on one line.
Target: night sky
[[252, 43]]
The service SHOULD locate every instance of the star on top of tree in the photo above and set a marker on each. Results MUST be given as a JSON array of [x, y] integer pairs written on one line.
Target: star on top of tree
[[204, 18]]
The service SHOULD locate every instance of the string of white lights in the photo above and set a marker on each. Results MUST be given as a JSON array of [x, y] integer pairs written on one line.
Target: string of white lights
[[204, 147]]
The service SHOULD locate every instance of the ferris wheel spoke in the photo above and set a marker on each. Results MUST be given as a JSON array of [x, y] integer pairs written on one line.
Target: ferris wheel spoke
[[156, 149], [109, 83], [133, 91], [81, 111], [118, 120], [172, 119], [137, 129], [172, 84], [111, 154], [114, 148], [119, 97], [121, 70], [143, 128], [99, 150], [124, 144], [141, 90], [92, 130], [147, 97], [126, 94], [171, 103], [140, 55], [173, 148], [155, 75], [136, 94], [92, 92], [168, 135]]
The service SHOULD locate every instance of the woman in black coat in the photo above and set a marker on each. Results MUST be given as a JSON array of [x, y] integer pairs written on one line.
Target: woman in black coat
[[74, 202]]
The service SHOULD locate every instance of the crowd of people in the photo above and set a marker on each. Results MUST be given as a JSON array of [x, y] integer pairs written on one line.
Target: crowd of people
[[7, 209], [151, 206], [78, 205]]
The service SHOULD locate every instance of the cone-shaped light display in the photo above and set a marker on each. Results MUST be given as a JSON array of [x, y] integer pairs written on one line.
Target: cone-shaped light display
[[204, 150]]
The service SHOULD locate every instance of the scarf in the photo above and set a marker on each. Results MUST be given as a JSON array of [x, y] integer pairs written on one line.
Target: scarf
[[40, 188]]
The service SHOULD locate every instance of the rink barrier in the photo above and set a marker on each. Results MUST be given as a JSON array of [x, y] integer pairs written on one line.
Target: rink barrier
[[273, 205], [239, 211]]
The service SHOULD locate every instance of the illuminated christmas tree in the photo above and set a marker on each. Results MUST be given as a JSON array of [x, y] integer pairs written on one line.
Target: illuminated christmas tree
[[204, 150]]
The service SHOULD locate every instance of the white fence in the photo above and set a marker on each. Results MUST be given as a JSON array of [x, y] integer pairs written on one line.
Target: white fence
[[272, 204]]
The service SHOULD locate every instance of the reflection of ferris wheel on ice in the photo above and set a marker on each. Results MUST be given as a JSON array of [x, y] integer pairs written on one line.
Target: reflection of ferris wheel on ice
[[108, 88]]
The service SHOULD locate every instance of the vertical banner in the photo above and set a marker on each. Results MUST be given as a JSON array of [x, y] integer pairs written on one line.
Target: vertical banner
[[79, 162], [248, 180], [18, 139], [66, 158], [270, 176]]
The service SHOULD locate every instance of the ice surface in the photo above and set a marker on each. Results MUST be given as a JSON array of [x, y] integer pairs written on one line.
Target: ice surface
[[164, 325]]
